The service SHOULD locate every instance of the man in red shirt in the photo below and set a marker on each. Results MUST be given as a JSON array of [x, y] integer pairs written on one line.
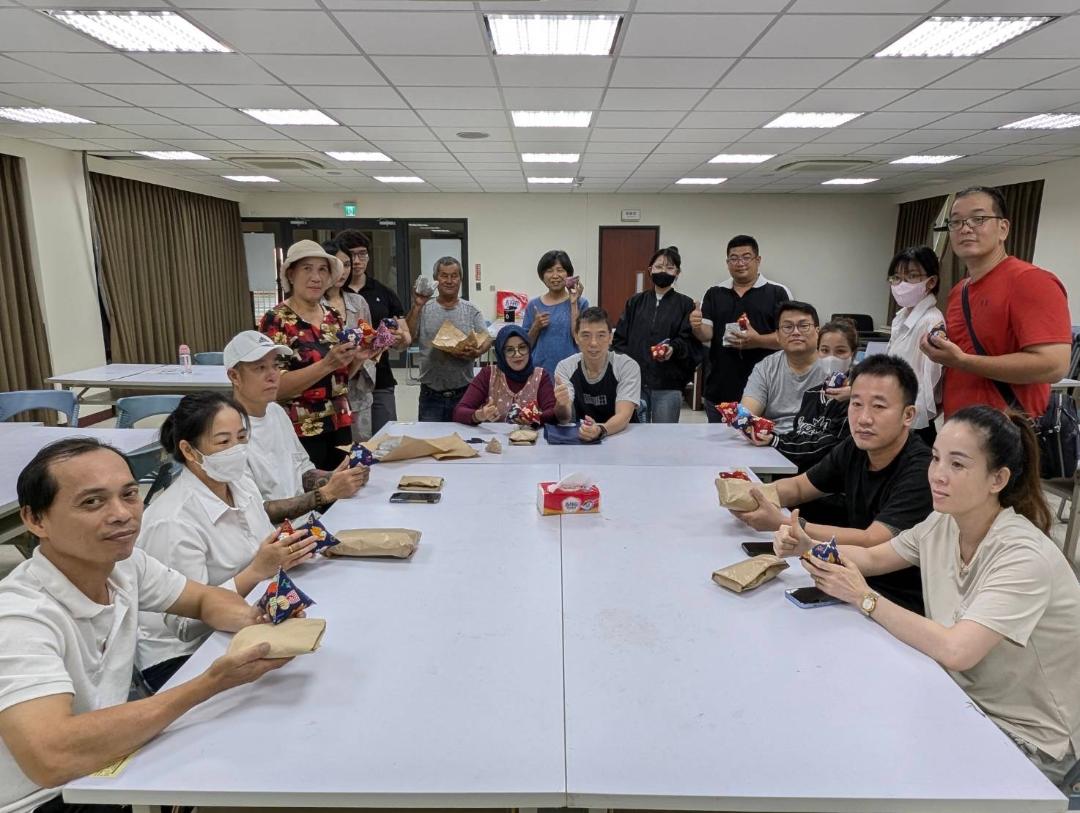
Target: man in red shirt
[[1019, 311]]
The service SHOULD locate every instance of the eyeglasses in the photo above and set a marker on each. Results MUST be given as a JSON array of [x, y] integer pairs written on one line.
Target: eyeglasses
[[908, 276], [360, 254], [971, 222], [668, 268], [523, 350], [741, 259], [803, 327]]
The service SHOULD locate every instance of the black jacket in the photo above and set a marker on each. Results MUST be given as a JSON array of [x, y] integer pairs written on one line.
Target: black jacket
[[819, 425], [645, 322]]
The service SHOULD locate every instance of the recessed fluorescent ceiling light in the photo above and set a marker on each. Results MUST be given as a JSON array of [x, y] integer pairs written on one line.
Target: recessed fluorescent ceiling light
[[848, 181], [552, 118], [822, 120], [251, 178], [700, 181], [961, 36], [172, 155], [926, 159], [398, 179], [740, 158], [550, 180], [141, 30], [550, 157], [286, 117], [359, 156], [550, 34], [1045, 121], [40, 115]]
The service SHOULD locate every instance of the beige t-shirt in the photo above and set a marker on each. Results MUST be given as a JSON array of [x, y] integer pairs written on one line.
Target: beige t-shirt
[[1019, 585]]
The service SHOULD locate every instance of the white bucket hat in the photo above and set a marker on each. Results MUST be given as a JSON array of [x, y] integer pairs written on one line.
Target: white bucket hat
[[302, 250]]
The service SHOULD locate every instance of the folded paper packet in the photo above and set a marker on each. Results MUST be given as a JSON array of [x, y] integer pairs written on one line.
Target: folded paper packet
[[297, 636], [388, 448], [417, 482], [735, 494], [397, 543], [524, 437], [749, 573], [452, 339]]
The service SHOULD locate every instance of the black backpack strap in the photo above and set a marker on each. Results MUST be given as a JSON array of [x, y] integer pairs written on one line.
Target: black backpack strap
[[1003, 389]]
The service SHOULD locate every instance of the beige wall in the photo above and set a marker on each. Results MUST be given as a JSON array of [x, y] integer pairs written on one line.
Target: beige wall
[[830, 250]]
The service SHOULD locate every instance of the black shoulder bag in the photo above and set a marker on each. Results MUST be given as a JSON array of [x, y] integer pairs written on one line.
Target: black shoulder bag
[[1056, 429]]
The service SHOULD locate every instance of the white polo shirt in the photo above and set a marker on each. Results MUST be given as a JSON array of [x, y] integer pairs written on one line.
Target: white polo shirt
[[277, 461], [55, 640], [189, 529]]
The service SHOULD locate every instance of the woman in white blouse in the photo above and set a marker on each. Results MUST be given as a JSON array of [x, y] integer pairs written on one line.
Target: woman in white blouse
[[209, 524], [1002, 603], [914, 280]]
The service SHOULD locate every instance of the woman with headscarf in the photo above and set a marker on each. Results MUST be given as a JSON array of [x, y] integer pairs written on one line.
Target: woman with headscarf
[[515, 380]]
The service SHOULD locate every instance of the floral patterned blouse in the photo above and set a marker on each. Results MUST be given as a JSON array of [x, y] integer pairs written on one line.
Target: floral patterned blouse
[[324, 406]]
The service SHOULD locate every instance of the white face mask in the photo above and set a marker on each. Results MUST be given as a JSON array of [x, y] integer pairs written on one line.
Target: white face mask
[[834, 364], [226, 466], [909, 294]]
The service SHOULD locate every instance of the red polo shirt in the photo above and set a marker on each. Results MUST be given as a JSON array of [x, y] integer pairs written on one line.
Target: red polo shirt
[[1015, 305]]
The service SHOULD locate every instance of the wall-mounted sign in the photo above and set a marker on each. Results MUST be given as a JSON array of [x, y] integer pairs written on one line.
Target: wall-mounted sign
[[631, 215]]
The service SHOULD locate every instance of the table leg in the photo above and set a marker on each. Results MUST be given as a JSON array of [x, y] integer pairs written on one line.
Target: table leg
[[142, 809]]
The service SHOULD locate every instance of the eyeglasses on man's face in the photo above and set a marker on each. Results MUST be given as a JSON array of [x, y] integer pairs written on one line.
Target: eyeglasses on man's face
[[974, 222], [788, 328], [740, 259], [359, 254]]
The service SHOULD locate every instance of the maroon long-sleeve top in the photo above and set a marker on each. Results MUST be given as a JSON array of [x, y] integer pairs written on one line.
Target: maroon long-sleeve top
[[477, 395]]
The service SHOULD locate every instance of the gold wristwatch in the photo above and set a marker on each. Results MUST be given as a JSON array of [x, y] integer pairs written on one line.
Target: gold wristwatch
[[868, 604]]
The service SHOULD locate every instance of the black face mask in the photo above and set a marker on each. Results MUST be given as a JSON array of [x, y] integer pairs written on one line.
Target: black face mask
[[662, 279]]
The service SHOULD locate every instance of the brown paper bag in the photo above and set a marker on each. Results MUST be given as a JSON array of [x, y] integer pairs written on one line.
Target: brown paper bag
[[297, 636], [450, 339], [735, 494], [749, 573], [398, 543], [450, 447], [417, 482], [523, 437]]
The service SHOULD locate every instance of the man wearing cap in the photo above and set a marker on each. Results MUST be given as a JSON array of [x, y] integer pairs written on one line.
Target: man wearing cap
[[278, 463]]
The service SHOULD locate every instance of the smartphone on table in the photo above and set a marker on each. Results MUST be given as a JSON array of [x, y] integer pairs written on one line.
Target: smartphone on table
[[416, 497], [810, 597], [757, 548]]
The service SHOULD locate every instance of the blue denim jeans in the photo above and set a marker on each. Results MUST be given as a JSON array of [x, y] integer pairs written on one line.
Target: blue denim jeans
[[664, 405], [438, 405]]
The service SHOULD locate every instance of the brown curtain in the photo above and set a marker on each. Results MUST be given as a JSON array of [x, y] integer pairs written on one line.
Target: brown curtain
[[913, 224], [24, 348], [172, 269], [1024, 203]]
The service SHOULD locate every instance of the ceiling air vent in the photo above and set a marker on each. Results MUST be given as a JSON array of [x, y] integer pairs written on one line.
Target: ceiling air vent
[[275, 162], [825, 165]]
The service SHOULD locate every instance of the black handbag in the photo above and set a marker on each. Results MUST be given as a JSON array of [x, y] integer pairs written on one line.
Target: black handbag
[[1057, 429]]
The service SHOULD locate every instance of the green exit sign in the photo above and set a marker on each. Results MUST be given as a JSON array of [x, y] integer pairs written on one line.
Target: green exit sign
[[350, 209]]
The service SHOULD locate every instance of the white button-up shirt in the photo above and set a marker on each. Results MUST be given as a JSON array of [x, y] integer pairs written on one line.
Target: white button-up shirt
[[55, 640], [192, 531], [908, 327]]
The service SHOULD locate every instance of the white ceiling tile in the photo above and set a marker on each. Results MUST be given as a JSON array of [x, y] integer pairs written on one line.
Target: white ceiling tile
[[197, 116], [303, 132], [896, 73], [681, 35], [684, 149], [650, 99], [1032, 101], [971, 121], [431, 165], [997, 137], [375, 117], [258, 96], [651, 134], [823, 35], [360, 96], [468, 119], [59, 94], [829, 148], [26, 30], [458, 147], [156, 96], [706, 136], [783, 73], [452, 98], [1056, 39], [553, 98], [276, 32], [553, 71], [385, 134], [853, 100], [313, 69], [1005, 73], [354, 144], [615, 148], [858, 6], [203, 145], [1069, 80], [779, 135], [843, 135], [931, 136], [893, 121], [550, 135], [130, 143], [12, 71], [260, 5], [164, 132], [946, 100], [250, 132], [404, 32], [118, 115], [633, 118], [94, 132], [213, 69], [1008, 7], [271, 145], [726, 120], [437, 70], [70, 144], [670, 72], [413, 151], [757, 99]]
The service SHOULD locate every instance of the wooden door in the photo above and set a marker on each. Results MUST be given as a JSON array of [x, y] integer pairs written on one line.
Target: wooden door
[[624, 255]]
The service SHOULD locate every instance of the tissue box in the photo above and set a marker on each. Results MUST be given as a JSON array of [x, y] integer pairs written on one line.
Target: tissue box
[[574, 501]]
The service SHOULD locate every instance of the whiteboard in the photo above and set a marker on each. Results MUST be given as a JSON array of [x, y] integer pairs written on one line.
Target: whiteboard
[[261, 262]]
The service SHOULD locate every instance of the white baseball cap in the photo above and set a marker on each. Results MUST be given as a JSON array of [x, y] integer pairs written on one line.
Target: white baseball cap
[[250, 345]]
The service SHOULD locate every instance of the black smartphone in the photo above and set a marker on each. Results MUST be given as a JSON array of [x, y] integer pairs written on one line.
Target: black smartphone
[[757, 548], [416, 496], [810, 597]]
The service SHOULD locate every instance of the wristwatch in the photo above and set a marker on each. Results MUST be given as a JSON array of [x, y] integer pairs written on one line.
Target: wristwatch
[[868, 604], [603, 432]]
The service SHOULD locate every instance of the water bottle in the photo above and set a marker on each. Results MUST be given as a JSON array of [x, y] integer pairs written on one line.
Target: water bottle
[[185, 359]]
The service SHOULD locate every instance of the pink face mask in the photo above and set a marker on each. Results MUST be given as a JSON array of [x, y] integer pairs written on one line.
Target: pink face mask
[[909, 294]]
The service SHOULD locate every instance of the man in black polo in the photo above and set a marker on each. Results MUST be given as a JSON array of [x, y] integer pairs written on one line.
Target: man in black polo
[[733, 353]]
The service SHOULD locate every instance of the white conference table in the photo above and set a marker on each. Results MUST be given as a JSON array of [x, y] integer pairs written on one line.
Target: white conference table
[[440, 682], [153, 377], [19, 442], [640, 444]]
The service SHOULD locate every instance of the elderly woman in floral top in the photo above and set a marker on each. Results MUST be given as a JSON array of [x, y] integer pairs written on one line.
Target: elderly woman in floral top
[[314, 385]]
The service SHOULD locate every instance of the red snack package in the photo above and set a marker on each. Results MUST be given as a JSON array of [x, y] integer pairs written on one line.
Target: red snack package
[[660, 350], [735, 474], [743, 322], [758, 427]]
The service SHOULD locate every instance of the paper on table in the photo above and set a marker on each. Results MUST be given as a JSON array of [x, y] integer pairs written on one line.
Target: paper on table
[[114, 770], [297, 636], [735, 494], [418, 482], [749, 573], [399, 543], [524, 437], [449, 447]]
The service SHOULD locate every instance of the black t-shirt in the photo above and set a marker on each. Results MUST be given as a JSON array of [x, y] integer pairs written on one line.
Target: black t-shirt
[[820, 425], [383, 304], [598, 400], [897, 496], [729, 368]]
